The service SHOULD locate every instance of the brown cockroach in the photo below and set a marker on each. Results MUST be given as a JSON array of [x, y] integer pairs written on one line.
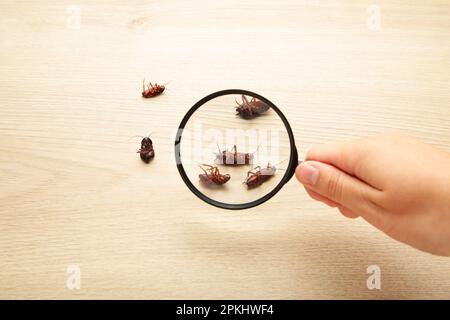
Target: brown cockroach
[[212, 175], [257, 176], [233, 157], [146, 151], [250, 109], [152, 90]]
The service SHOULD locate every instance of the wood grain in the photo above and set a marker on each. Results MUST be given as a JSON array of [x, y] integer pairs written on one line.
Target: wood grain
[[74, 192]]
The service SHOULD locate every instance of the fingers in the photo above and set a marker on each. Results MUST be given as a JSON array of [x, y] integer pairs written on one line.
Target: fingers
[[353, 196], [321, 198], [350, 157], [342, 155], [346, 212]]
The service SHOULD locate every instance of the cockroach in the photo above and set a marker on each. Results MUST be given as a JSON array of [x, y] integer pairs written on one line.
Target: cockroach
[[212, 175], [257, 176], [146, 151], [250, 109], [233, 157], [152, 90]]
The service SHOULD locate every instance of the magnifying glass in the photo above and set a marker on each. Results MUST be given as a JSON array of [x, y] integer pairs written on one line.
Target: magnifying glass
[[235, 149]]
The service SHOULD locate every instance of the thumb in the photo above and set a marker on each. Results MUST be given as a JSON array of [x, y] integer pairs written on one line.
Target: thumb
[[338, 186]]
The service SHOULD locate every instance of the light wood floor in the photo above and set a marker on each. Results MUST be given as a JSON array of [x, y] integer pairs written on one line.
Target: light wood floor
[[74, 192]]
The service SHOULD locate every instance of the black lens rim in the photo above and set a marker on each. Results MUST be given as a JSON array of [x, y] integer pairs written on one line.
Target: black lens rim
[[293, 157]]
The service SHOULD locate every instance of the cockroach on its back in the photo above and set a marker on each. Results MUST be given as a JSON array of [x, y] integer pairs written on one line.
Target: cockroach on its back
[[257, 176], [233, 157], [212, 175], [152, 90], [250, 109], [146, 151]]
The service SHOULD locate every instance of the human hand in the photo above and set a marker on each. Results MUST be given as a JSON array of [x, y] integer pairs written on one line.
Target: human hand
[[398, 184]]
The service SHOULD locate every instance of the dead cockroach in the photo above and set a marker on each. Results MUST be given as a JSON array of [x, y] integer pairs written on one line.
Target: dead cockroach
[[250, 109], [152, 90], [212, 175], [146, 151], [257, 176], [233, 157]]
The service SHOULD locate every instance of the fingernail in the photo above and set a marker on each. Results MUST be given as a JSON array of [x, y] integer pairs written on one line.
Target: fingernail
[[307, 174]]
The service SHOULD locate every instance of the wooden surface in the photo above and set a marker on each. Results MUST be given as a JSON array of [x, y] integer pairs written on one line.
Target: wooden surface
[[74, 192]]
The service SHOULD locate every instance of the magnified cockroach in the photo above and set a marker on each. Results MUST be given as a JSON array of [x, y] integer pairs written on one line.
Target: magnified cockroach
[[152, 90], [212, 175], [257, 176], [233, 157], [250, 109], [146, 152]]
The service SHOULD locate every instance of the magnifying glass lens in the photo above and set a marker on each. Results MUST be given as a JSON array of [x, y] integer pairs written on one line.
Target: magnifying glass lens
[[234, 150]]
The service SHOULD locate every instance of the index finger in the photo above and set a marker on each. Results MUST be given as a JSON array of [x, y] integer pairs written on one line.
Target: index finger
[[350, 157]]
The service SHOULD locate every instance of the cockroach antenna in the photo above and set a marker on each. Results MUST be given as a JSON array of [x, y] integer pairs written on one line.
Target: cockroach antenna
[[218, 148], [142, 137], [280, 162], [276, 164], [280, 169], [256, 150], [132, 137]]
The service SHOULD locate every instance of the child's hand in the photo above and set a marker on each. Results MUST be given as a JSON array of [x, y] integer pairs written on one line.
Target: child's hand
[[399, 185]]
